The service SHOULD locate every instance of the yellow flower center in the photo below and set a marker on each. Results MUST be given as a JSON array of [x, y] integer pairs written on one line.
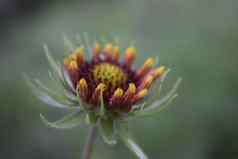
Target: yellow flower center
[[109, 74]]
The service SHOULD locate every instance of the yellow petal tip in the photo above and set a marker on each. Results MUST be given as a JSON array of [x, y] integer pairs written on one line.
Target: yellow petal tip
[[118, 92]]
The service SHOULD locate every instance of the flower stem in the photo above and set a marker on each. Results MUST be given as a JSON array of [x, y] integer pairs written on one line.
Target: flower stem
[[88, 148]]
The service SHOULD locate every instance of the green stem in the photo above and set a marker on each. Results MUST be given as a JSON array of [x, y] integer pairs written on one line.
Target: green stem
[[135, 148], [88, 148], [130, 143]]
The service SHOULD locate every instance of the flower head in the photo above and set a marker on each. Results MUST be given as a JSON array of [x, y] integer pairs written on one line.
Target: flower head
[[105, 74], [105, 89]]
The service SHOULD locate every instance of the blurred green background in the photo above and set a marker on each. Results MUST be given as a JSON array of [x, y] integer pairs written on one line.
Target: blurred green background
[[197, 39]]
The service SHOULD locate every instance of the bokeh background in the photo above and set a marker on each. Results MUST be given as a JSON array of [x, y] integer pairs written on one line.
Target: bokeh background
[[197, 39]]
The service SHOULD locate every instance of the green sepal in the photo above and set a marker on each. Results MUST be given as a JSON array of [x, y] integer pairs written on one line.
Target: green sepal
[[129, 142], [68, 44], [162, 79], [67, 122], [60, 75], [53, 63], [67, 81], [107, 131], [91, 118], [160, 104], [102, 106], [48, 96], [57, 73]]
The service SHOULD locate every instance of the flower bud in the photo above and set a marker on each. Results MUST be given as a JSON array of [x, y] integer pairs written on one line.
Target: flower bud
[[141, 94], [108, 51], [115, 53], [130, 55], [117, 97], [82, 88], [98, 92], [158, 71], [146, 82], [96, 52], [148, 64]]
